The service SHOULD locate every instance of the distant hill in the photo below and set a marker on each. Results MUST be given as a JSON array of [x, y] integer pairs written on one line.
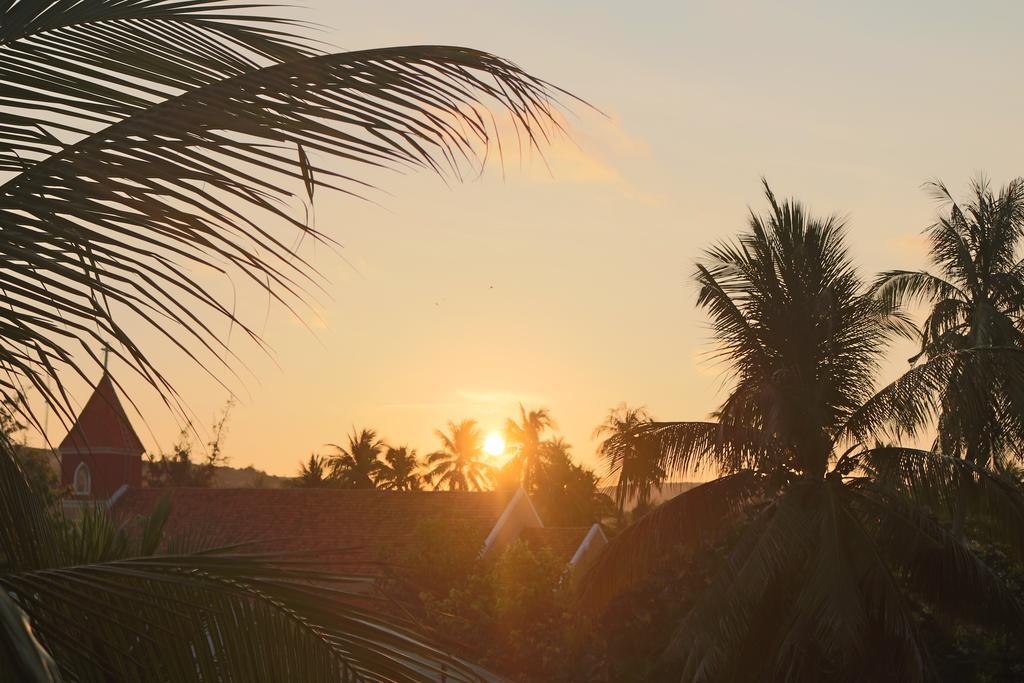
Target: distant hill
[[668, 490], [247, 478], [225, 477]]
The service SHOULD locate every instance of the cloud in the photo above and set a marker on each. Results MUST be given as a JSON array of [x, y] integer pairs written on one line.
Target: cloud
[[912, 243], [594, 151]]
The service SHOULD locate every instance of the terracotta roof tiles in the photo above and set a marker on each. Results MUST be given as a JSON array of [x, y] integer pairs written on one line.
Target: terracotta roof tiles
[[362, 524]]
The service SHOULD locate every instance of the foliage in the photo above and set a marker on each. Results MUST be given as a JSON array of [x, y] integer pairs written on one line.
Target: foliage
[[525, 437], [624, 453], [460, 465], [400, 471], [36, 463], [566, 494], [312, 474], [37, 466], [443, 552], [835, 536], [968, 653], [177, 469], [513, 613], [357, 465]]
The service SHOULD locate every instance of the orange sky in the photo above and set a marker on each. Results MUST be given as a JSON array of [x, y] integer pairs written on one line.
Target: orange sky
[[570, 289]]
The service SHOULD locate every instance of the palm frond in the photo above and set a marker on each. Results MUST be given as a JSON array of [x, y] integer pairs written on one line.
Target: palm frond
[[688, 447], [935, 562], [112, 226], [707, 641], [687, 520], [23, 656], [214, 618], [908, 288], [70, 67], [942, 483], [806, 586], [964, 379]]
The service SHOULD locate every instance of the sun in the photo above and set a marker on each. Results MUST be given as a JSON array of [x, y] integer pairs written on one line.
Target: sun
[[494, 444]]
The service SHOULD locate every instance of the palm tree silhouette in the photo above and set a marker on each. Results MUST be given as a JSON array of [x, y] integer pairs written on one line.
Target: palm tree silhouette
[[632, 458], [525, 436], [976, 300], [567, 494], [400, 472], [314, 473], [357, 465], [460, 464], [145, 144], [825, 529]]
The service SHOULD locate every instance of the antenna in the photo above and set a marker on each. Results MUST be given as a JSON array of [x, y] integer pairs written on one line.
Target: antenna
[[106, 353]]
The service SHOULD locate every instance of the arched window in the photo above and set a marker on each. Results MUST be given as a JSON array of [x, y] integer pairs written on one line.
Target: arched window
[[82, 480]]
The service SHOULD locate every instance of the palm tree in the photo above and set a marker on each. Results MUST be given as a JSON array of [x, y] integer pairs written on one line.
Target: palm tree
[[567, 494], [401, 470], [313, 474], [460, 464], [525, 437], [825, 532], [624, 453], [143, 144], [358, 466], [975, 300]]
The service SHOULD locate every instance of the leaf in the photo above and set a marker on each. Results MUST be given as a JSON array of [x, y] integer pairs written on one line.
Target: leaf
[[22, 655], [307, 171]]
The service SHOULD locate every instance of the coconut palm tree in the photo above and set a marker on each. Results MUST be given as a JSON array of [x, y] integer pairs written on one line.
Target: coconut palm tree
[[525, 438], [460, 464], [824, 531], [975, 299], [637, 465], [400, 471], [149, 148], [314, 473], [358, 465]]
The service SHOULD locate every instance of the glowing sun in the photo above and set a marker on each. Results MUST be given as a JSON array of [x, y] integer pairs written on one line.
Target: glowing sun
[[494, 444]]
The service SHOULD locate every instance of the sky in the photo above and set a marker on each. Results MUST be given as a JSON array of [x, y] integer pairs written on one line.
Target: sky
[[568, 285]]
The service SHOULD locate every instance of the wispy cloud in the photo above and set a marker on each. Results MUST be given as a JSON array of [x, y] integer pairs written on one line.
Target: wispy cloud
[[910, 243], [595, 152]]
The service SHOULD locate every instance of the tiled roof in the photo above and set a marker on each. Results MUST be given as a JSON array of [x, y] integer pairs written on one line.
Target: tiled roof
[[354, 526], [562, 541], [103, 425]]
